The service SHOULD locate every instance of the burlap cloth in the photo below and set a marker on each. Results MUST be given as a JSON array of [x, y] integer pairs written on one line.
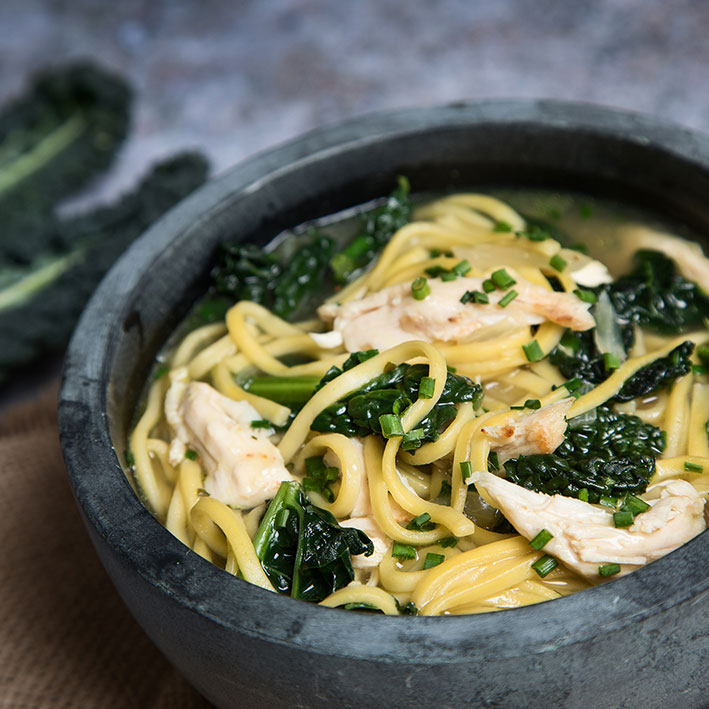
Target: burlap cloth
[[66, 639]]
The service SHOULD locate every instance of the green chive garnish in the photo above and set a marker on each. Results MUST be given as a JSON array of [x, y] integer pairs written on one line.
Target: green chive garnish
[[608, 502], [391, 425], [314, 466], [573, 384], [583, 494], [462, 268], [447, 542], [422, 523], [585, 211], [466, 469], [623, 518], [557, 263], [536, 234], [541, 539], [161, 371], [502, 227], [502, 279], [413, 439], [190, 454], [700, 369], [449, 276], [476, 296], [432, 560], [403, 551], [488, 285], [570, 341], [493, 461], [507, 298], [635, 505], [420, 288], [611, 361], [427, 387], [609, 569], [261, 423], [693, 467], [532, 351], [533, 404], [587, 296], [545, 565]]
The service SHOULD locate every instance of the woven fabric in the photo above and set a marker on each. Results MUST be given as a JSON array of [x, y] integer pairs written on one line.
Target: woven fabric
[[66, 639]]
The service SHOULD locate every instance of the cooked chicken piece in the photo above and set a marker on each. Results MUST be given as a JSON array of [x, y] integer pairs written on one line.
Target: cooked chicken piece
[[584, 536], [179, 380], [540, 431], [243, 467], [688, 256], [392, 316], [380, 540]]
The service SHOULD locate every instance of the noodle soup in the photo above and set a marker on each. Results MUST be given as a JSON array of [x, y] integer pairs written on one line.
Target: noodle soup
[[443, 408]]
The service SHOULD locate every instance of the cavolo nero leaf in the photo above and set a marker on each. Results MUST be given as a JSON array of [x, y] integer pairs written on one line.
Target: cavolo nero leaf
[[64, 131], [391, 393], [40, 302], [303, 550], [612, 455]]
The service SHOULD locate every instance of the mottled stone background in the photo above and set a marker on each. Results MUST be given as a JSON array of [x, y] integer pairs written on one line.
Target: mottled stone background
[[235, 77]]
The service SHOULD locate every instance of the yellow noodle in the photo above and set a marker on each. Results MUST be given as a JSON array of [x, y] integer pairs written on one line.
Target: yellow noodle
[[676, 417], [698, 438], [362, 594], [195, 341]]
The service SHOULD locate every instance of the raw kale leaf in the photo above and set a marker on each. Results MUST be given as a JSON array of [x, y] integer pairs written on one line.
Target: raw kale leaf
[[656, 296], [378, 226], [303, 550], [53, 140], [609, 456], [40, 302], [391, 393]]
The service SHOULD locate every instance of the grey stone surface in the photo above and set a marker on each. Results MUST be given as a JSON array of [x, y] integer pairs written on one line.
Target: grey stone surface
[[237, 77]]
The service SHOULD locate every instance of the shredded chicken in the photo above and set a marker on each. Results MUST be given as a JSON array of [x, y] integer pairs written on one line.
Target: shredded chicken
[[584, 535], [243, 467], [540, 431], [380, 540], [688, 256], [392, 315]]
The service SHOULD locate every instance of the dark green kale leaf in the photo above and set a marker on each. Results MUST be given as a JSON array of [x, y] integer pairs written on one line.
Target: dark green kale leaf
[[40, 302], [53, 140], [612, 455], [658, 374], [656, 296], [303, 550], [378, 226], [391, 393]]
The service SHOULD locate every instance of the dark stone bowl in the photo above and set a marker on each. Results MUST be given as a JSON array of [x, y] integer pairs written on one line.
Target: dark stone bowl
[[639, 641]]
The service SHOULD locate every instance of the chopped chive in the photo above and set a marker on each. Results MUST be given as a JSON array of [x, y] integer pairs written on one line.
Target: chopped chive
[[161, 371], [403, 551], [422, 523], [476, 296], [623, 518], [314, 466], [420, 288], [532, 351], [635, 505], [507, 298], [693, 467], [413, 439], [573, 384], [391, 425], [462, 268], [553, 213], [312, 484], [427, 387], [587, 296], [581, 248], [433, 559], [533, 404], [502, 279], [536, 234], [570, 341], [557, 263], [261, 423], [434, 253], [190, 454], [545, 565], [466, 469], [541, 539], [502, 227], [700, 369], [611, 361], [585, 211], [609, 569], [435, 271], [488, 285], [449, 276], [703, 353], [447, 542], [401, 404], [444, 496], [130, 458], [583, 494], [466, 297], [451, 369], [493, 461], [516, 408], [331, 473], [608, 502]]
